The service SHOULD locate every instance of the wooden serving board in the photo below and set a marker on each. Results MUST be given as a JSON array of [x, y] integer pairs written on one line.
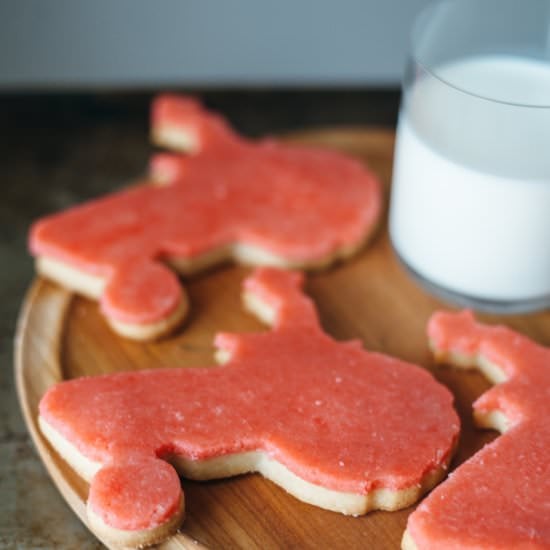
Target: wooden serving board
[[61, 336]]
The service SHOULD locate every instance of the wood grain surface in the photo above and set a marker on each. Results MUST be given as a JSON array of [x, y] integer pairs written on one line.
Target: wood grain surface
[[61, 336]]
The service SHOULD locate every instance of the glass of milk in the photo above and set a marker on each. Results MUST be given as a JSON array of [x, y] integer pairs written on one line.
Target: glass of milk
[[470, 205]]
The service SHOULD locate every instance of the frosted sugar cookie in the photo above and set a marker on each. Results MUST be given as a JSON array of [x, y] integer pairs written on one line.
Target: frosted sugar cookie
[[255, 202], [334, 425], [499, 498]]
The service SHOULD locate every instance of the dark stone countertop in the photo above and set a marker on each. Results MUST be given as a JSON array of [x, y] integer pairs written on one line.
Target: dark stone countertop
[[59, 149]]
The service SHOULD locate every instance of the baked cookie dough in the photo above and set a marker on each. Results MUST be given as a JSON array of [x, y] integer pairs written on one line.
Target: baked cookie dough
[[334, 425], [255, 202], [499, 498]]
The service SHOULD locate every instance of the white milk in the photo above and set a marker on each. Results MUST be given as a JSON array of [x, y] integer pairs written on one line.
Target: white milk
[[470, 207]]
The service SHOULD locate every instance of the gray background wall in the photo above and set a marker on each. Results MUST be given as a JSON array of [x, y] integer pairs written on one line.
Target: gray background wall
[[139, 43]]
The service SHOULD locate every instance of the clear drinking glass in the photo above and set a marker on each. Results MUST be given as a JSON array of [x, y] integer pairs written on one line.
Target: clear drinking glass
[[470, 205]]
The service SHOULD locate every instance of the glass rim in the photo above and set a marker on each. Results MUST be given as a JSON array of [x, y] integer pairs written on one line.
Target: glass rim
[[421, 18]]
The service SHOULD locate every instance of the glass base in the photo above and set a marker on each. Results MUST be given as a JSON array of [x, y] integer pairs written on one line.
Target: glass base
[[463, 300]]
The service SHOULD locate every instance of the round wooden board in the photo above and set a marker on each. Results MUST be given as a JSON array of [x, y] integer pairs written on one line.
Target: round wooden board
[[61, 336]]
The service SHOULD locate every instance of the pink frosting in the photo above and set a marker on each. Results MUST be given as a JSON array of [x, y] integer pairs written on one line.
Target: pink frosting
[[334, 414], [499, 498], [298, 203]]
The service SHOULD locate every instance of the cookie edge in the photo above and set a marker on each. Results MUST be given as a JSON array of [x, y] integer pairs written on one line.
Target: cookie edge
[[346, 503], [492, 420], [92, 286], [138, 538]]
